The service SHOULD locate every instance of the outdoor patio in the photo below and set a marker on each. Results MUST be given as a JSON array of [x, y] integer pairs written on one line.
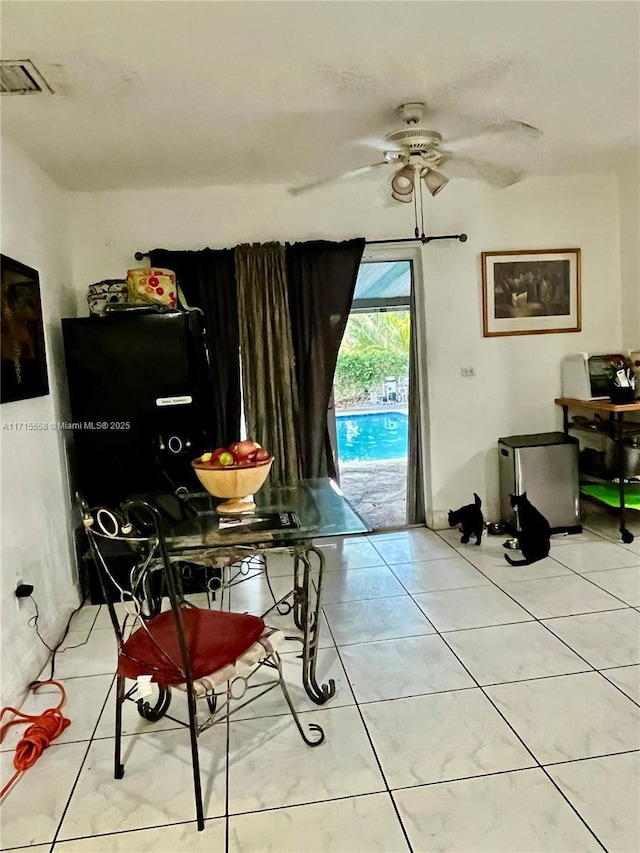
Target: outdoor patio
[[377, 490]]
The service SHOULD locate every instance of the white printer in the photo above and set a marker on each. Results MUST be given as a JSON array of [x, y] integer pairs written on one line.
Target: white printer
[[585, 376]]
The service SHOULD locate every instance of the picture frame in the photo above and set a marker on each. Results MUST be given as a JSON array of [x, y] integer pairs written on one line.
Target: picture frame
[[24, 360], [531, 292]]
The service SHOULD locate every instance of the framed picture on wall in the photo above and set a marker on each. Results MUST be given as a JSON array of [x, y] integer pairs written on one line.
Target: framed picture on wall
[[24, 362], [531, 292]]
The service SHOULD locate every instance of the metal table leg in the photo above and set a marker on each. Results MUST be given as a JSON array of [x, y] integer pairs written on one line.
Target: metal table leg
[[307, 614], [626, 534]]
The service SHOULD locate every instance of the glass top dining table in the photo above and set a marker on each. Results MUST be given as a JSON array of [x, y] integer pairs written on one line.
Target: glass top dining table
[[319, 508], [309, 510]]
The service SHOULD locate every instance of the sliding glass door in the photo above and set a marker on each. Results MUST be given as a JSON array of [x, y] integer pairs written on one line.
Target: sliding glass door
[[372, 410]]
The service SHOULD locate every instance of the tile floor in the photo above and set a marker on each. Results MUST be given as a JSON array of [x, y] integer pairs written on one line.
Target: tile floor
[[479, 707]]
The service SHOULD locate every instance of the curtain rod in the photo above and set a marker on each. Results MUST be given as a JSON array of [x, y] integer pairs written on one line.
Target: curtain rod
[[139, 256]]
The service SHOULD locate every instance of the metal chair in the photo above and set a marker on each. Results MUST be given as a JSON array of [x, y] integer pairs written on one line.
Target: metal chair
[[200, 651]]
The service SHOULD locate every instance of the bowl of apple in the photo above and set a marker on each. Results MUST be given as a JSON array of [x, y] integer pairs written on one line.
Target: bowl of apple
[[234, 473]]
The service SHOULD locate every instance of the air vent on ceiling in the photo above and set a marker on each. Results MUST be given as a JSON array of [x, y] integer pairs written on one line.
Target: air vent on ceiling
[[21, 77]]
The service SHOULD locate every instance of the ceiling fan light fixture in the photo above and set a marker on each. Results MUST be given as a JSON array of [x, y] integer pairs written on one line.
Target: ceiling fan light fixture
[[402, 181], [407, 198], [435, 181]]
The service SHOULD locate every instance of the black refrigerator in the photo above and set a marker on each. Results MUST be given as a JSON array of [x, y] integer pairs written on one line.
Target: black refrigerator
[[139, 403]]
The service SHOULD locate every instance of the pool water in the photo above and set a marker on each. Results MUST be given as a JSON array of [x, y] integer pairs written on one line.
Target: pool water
[[372, 435]]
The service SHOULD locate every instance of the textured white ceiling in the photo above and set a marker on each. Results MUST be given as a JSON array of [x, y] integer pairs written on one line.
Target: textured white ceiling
[[177, 93]]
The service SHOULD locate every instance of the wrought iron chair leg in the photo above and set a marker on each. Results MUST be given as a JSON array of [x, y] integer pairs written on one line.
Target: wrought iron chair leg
[[312, 726], [195, 759], [118, 771]]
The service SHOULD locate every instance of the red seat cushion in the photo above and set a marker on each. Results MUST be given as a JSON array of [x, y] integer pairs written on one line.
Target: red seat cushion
[[214, 639]]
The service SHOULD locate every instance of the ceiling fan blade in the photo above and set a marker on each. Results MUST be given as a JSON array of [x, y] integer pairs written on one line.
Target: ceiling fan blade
[[379, 143], [351, 174], [509, 129], [491, 173]]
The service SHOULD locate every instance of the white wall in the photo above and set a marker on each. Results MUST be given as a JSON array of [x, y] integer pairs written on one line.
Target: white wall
[[516, 379], [35, 507], [629, 180]]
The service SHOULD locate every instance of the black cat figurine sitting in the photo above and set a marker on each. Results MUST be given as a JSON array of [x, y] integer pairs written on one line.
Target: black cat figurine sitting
[[470, 519], [535, 532]]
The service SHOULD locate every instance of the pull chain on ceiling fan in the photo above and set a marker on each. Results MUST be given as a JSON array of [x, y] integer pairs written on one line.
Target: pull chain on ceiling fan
[[406, 187]]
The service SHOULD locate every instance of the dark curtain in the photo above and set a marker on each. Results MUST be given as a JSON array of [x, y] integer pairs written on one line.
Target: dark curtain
[[207, 279], [268, 374], [321, 281], [415, 489]]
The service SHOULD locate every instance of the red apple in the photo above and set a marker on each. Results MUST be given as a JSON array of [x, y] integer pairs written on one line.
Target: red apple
[[242, 449], [213, 457], [261, 456]]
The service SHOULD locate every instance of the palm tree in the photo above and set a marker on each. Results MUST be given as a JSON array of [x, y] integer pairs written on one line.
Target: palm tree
[[374, 346], [387, 331]]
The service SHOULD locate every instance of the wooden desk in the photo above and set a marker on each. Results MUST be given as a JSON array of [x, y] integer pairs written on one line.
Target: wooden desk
[[616, 416]]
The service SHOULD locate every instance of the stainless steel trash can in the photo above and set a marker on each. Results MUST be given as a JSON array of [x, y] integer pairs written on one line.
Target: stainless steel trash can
[[545, 466]]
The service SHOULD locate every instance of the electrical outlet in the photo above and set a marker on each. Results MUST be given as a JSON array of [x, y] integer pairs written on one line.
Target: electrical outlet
[[23, 590], [467, 371]]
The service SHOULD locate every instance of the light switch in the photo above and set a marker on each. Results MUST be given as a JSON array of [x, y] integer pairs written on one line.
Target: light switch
[[467, 371]]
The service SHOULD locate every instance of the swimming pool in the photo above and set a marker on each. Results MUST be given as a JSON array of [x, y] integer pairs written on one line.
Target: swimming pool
[[372, 435]]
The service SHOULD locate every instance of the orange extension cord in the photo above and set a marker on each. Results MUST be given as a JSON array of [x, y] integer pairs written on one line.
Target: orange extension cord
[[46, 727]]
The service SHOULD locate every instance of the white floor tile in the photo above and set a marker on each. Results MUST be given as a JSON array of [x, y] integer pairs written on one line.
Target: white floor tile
[[513, 653], [623, 583], [157, 787], [604, 639], [493, 565], [627, 678], [84, 618], [605, 792], [489, 815], [433, 575], [161, 839], [132, 722], [475, 607], [270, 766], [356, 553], [103, 619], [376, 619], [452, 536], [569, 716], [279, 563], [563, 596], [429, 724], [85, 698], [360, 584], [406, 548], [273, 703], [253, 596], [593, 556], [574, 538], [441, 737], [368, 823], [605, 521], [392, 669], [32, 809], [98, 656]]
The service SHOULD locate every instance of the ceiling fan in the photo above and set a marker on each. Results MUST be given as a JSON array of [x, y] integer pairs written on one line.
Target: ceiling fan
[[418, 152]]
